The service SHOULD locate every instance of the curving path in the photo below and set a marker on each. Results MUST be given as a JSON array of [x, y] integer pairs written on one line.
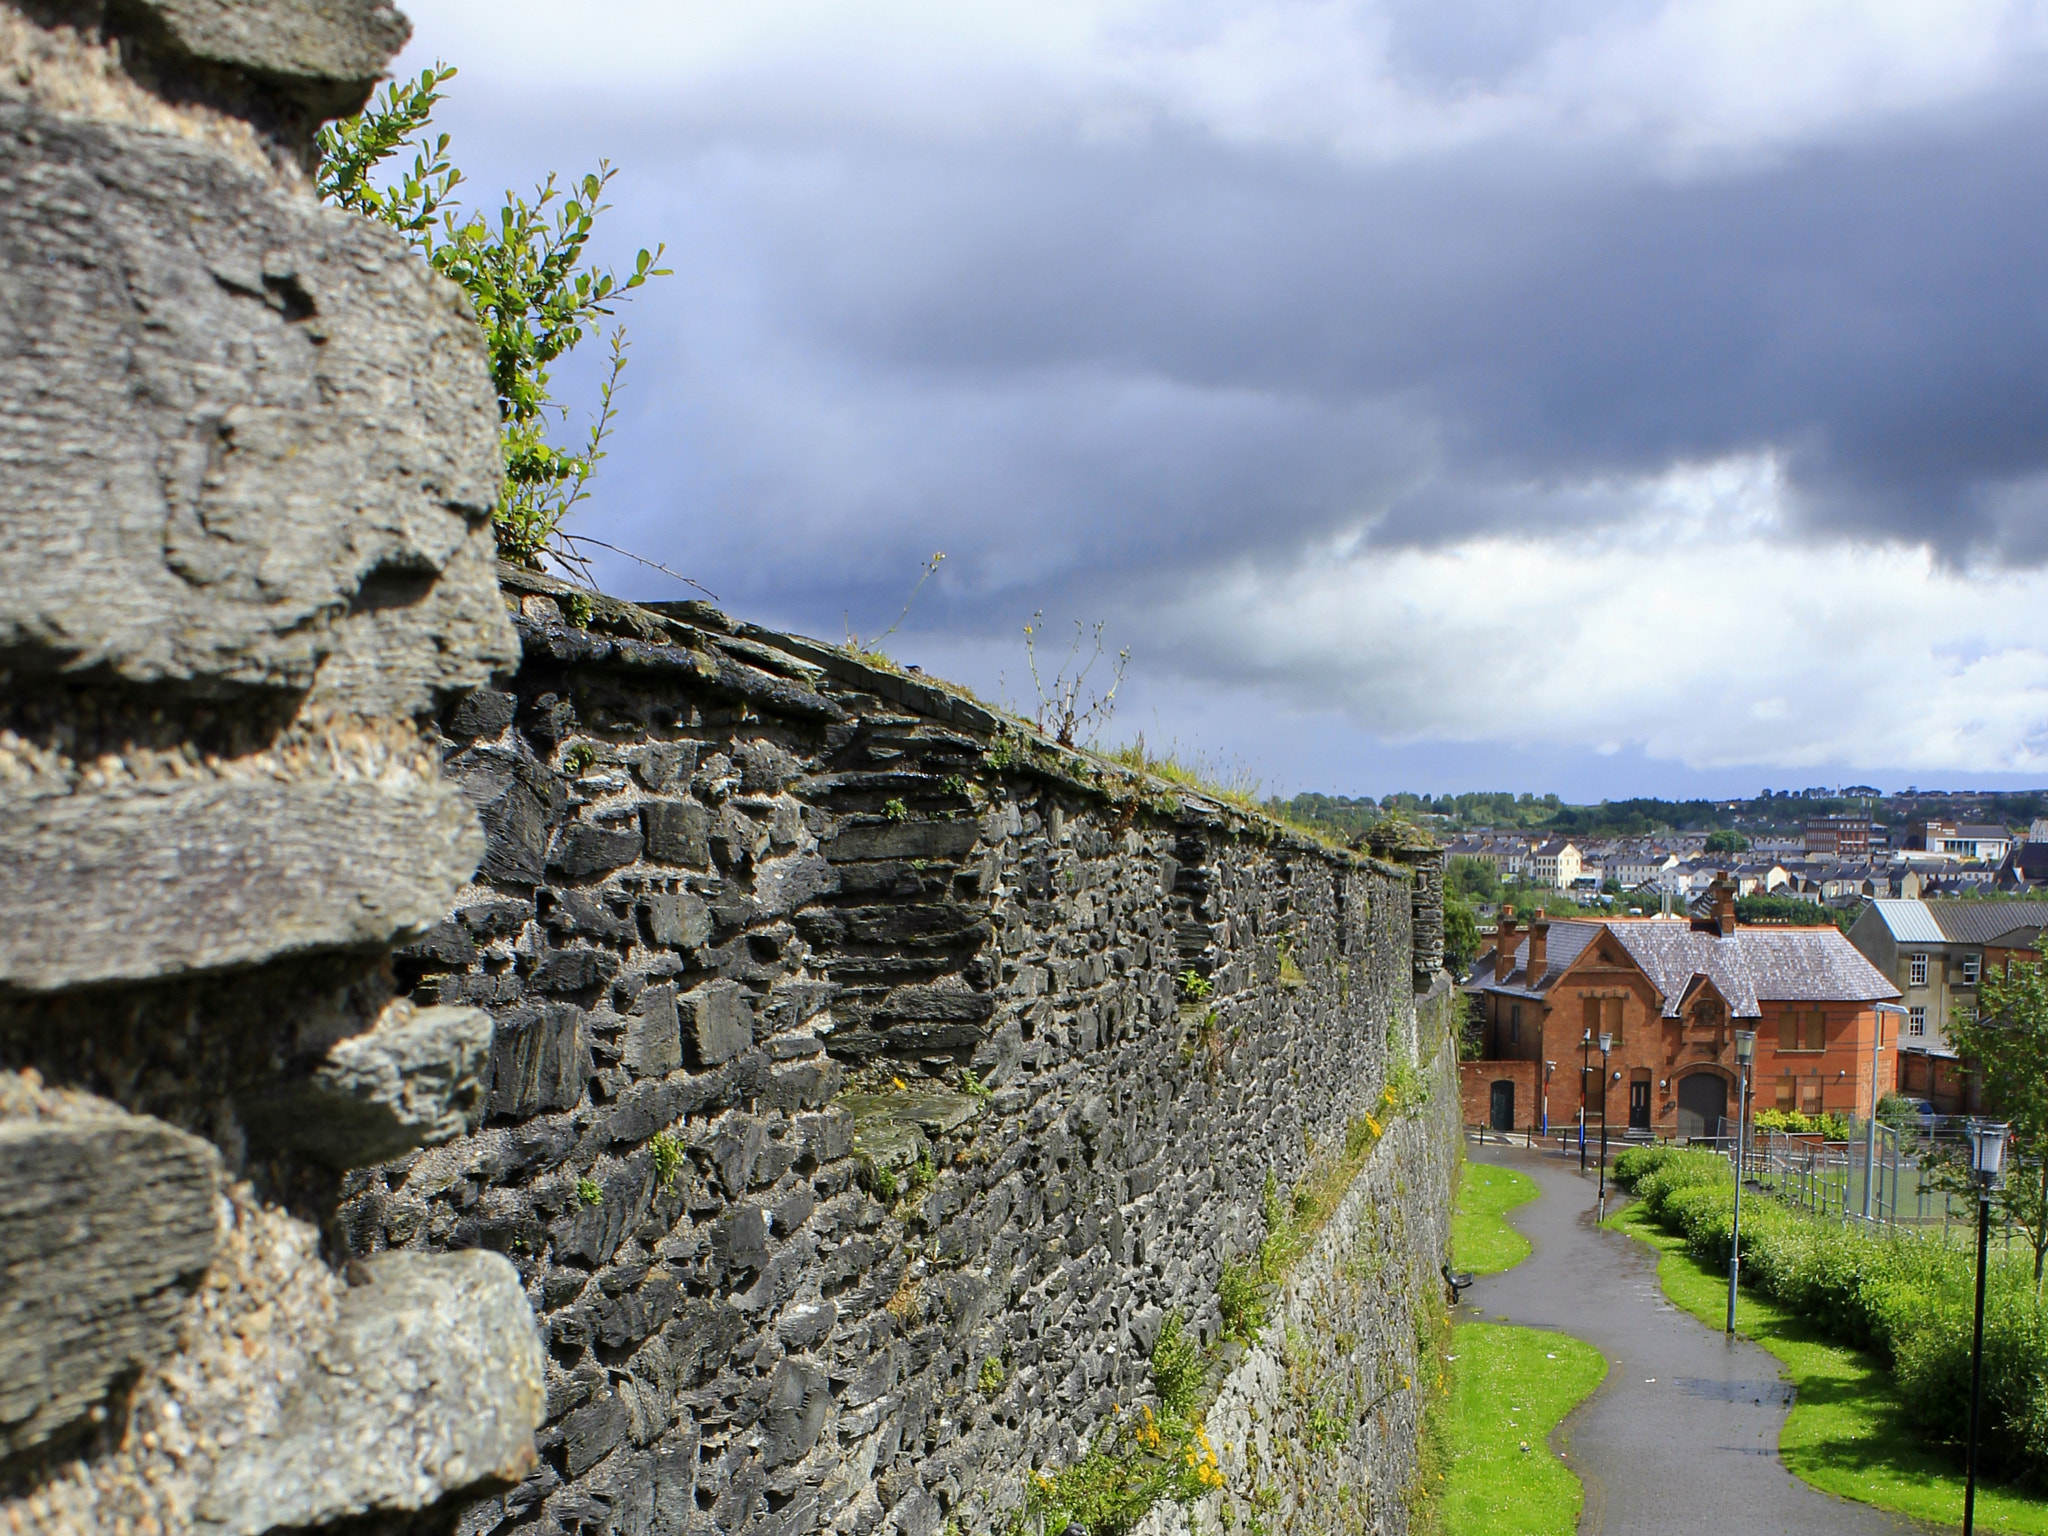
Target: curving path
[[1682, 1437]]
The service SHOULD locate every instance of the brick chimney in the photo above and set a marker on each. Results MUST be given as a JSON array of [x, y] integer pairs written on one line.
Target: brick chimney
[[1539, 946], [1504, 943], [1724, 907]]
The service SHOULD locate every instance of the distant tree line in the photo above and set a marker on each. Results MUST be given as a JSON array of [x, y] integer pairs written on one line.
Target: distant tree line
[[1729, 824]]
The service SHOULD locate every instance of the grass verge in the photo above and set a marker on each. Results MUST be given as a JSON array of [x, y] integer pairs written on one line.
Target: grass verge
[[1509, 1388], [1847, 1433], [1481, 1240]]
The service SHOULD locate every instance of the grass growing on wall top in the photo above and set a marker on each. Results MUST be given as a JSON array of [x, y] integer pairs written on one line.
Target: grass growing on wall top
[[1849, 1434], [1481, 1239]]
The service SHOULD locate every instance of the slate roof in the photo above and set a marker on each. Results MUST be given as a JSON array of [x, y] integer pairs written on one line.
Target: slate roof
[[1568, 940], [1982, 922], [1909, 920], [1962, 922], [1751, 966]]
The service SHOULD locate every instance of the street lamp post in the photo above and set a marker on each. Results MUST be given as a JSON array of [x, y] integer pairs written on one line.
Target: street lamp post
[[1585, 1045], [1745, 1053], [1987, 1164], [1870, 1131], [1606, 1044]]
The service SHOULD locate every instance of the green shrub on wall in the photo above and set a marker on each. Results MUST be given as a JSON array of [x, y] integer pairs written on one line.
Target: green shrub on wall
[[526, 278]]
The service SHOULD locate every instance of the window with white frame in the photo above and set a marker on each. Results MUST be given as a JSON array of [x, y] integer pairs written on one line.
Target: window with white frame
[[1916, 970], [1916, 1021], [1970, 964]]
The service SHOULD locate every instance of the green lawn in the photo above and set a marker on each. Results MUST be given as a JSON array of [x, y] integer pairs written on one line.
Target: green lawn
[[1509, 1389], [1480, 1240], [1846, 1434]]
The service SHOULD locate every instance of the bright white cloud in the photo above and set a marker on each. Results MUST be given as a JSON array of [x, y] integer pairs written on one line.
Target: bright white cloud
[[1686, 81], [1416, 358], [1786, 654]]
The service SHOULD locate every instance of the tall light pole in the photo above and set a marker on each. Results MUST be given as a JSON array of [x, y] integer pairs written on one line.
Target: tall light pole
[[1606, 1044], [1745, 1053], [1987, 1164], [1870, 1131], [1585, 1045]]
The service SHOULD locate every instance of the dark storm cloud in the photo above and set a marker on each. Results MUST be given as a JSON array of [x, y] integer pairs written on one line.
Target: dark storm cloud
[[1874, 313], [1115, 356]]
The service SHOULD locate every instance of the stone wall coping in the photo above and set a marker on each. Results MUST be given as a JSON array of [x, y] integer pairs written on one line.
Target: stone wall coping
[[720, 650]]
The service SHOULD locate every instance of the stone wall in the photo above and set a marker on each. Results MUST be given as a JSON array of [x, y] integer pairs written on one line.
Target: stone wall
[[871, 1079], [798, 1092], [1316, 1427], [251, 449]]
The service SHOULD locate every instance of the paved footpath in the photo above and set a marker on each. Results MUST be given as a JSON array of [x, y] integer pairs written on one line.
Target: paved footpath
[[1682, 1437]]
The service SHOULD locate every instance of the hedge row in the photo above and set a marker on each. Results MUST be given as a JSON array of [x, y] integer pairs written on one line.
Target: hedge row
[[1906, 1299]]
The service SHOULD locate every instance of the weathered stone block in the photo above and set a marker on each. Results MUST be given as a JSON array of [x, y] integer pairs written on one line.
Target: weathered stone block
[[414, 1080], [317, 436], [902, 840], [664, 766], [540, 1060], [678, 832], [798, 1398], [678, 920], [482, 712], [718, 1022], [342, 43], [585, 848], [654, 1044], [106, 888], [949, 999], [783, 885], [518, 802], [432, 1381], [107, 1222]]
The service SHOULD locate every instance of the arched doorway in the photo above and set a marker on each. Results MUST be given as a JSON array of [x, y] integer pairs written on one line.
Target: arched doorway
[[1503, 1106], [1702, 1104]]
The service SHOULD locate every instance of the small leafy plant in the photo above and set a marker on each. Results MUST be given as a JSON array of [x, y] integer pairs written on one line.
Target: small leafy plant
[[877, 1180], [1195, 987], [589, 1192], [668, 1157], [1178, 1368], [895, 810], [1242, 1297], [528, 283], [1131, 1467]]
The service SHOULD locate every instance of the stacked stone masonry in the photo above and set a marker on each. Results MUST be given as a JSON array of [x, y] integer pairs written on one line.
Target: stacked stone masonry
[[419, 1027], [245, 558], [842, 1047]]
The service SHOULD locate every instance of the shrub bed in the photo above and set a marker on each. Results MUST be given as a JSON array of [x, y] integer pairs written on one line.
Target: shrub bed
[[1908, 1300]]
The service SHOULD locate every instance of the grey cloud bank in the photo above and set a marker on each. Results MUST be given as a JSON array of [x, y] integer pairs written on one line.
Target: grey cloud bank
[[1408, 370]]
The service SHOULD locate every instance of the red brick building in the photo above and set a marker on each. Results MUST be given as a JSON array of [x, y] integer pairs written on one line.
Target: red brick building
[[1671, 992]]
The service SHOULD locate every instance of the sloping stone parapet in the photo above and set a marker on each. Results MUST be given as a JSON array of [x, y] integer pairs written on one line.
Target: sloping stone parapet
[[871, 1077], [245, 558]]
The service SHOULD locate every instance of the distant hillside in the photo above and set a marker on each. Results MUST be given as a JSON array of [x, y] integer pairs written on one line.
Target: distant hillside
[[1771, 813]]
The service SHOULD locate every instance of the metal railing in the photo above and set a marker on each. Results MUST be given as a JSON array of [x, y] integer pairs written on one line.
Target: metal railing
[[1827, 1178]]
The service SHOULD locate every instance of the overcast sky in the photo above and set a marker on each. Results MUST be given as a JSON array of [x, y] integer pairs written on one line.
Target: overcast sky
[[1584, 395]]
